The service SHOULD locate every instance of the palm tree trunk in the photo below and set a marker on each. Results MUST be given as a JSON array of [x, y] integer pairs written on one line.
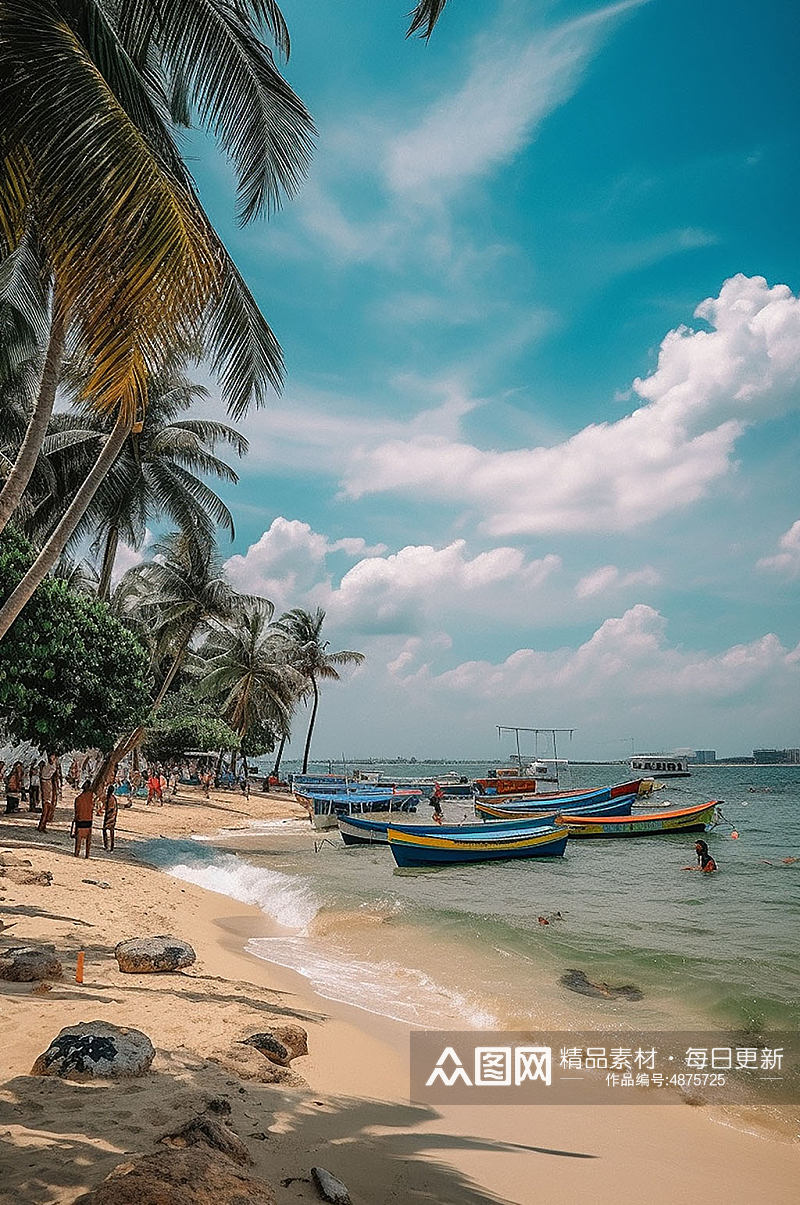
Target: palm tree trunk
[[276, 769], [177, 661], [311, 724], [20, 475], [109, 556], [57, 542]]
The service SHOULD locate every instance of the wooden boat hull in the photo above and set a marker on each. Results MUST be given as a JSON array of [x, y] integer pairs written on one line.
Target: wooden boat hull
[[583, 794], [610, 807], [682, 820], [410, 849], [358, 830], [505, 786]]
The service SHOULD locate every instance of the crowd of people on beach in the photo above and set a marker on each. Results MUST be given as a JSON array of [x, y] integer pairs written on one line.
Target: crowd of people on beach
[[36, 786]]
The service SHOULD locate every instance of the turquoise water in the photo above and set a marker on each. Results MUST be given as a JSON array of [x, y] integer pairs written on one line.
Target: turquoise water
[[466, 943]]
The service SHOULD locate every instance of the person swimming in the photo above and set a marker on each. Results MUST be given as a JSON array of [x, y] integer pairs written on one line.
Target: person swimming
[[705, 862]]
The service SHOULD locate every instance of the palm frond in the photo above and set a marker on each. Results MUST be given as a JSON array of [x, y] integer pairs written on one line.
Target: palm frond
[[25, 288], [245, 356], [240, 96], [129, 245], [424, 18]]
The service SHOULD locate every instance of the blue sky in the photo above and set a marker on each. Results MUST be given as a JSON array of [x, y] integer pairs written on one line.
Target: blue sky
[[537, 452]]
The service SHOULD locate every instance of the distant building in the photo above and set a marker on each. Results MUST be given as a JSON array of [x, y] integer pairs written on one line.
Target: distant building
[[705, 757], [766, 757]]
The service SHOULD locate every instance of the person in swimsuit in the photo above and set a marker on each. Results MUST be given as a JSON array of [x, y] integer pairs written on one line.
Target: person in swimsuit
[[109, 817], [84, 814], [705, 862]]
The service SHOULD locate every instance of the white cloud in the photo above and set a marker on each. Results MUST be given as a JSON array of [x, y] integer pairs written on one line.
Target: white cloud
[[609, 577], [514, 81], [787, 561], [707, 388], [626, 658], [288, 562], [403, 592], [128, 557]]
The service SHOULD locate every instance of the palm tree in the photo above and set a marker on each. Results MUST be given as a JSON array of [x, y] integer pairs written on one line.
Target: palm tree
[[173, 599], [155, 475], [243, 664], [309, 655], [176, 595], [92, 179]]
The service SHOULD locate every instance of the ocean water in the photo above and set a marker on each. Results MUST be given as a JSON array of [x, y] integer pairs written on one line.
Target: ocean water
[[465, 946]]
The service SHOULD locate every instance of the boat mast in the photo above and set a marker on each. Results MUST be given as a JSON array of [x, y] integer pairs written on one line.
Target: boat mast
[[501, 728]]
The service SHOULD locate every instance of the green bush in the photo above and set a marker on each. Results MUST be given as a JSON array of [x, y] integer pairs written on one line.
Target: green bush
[[72, 676]]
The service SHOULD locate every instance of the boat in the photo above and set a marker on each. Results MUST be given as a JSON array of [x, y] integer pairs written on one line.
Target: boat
[[621, 806], [324, 810], [424, 849], [695, 819], [635, 786], [373, 830], [489, 805], [661, 765], [505, 780]]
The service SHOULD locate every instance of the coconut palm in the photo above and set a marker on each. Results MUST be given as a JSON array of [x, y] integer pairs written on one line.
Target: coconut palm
[[158, 474], [243, 664], [173, 598], [308, 653], [92, 177], [176, 596]]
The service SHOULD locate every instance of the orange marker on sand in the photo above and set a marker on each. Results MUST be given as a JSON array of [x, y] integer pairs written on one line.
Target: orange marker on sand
[[79, 968]]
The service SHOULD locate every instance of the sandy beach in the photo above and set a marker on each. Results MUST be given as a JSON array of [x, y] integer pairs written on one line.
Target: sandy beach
[[344, 1106]]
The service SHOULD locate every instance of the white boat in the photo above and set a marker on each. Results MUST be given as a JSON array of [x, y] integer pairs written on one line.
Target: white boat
[[661, 765]]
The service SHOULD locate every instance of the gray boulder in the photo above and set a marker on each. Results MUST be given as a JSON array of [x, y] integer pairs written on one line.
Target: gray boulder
[[96, 1050], [329, 1187], [148, 955], [24, 964]]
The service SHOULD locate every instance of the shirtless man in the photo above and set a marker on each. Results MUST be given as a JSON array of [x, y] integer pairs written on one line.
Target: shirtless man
[[84, 814]]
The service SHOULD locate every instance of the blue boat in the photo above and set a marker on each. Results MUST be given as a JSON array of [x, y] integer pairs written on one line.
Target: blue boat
[[324, 810], [507, 809], [424, 849], [360, 830]]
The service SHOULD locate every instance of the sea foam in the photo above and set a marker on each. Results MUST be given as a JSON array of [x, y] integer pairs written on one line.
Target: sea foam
[[289, 901]]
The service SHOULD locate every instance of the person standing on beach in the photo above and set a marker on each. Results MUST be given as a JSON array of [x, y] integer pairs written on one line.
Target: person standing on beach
[[109, 818], [14, 788], [84, 815], [49, 775], [154, 788], [35, 789]]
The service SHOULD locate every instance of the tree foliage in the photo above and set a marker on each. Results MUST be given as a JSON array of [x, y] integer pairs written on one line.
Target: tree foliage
[[187, 722], [72, 676]]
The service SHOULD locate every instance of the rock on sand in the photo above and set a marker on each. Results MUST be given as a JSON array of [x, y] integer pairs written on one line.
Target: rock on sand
[[96, 1050], [147, 955]]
